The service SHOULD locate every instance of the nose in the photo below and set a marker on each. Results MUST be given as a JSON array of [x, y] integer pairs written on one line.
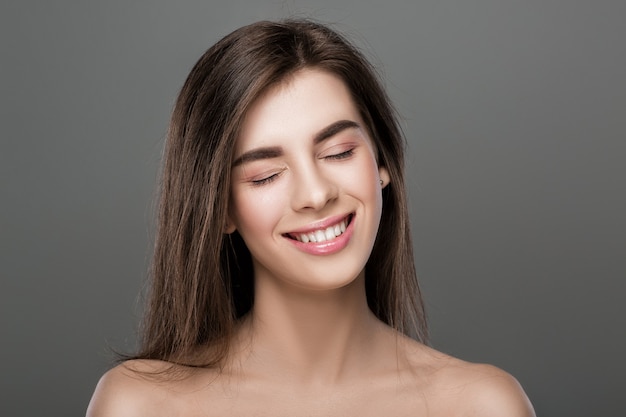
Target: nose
[[312, 190]]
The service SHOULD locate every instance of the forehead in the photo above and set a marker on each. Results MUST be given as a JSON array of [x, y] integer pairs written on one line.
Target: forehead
[[298, 107]]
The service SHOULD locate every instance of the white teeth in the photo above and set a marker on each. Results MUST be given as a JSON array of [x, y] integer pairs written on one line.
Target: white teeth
[[323, 235]]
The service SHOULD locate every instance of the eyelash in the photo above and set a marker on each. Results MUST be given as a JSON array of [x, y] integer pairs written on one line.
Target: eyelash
[[267, 180], [342, 155]]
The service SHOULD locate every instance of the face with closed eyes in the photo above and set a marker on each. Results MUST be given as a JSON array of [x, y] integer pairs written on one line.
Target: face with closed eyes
[[306, 188]]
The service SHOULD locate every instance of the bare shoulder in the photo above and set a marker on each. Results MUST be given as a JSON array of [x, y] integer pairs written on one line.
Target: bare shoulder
[[468, 389], [490, 391], [128, 391]]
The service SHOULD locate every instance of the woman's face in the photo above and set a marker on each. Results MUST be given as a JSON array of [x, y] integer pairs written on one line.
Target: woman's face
[[306, 191]]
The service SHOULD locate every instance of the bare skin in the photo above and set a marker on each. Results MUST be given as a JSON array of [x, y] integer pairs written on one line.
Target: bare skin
[[311, 364], [311, 346]]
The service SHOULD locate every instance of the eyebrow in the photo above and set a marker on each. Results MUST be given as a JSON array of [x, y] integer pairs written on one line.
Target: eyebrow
[[276, 151]]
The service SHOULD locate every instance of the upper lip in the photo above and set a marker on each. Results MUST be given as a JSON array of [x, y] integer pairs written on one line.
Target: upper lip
[[322, 224]]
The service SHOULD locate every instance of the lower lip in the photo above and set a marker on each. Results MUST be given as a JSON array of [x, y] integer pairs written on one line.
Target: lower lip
[[328, 247]]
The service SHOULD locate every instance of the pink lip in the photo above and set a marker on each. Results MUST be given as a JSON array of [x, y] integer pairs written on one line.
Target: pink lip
[[322, 224], [327, 247]]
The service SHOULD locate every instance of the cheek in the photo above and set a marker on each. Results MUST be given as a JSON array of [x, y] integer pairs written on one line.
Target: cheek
[[363, 178], [256, 210]]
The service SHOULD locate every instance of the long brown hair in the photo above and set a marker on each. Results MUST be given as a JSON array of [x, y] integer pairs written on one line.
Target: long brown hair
[[202, 278]]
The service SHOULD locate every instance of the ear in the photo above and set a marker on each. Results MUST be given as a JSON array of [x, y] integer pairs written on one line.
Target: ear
[[384, 176], [229, 227]]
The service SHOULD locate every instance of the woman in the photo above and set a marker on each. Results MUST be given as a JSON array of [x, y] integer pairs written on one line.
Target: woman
[[283, 277]]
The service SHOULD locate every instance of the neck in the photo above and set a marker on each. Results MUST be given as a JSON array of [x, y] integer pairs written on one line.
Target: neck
[[311, 336]]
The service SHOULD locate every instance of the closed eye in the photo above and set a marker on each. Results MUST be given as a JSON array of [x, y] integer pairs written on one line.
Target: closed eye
[[342, 155], [265, 180]]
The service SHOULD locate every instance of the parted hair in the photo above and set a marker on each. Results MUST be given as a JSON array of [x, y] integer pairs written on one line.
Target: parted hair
[[202, 278]]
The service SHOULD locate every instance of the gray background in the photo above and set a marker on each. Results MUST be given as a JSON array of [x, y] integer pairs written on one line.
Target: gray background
[[516, 117]]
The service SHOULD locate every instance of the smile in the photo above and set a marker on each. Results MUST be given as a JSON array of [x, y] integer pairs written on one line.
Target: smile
[[323, 234]]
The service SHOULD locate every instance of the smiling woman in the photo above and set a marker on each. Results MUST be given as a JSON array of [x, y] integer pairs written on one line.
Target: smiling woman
[[283, 280], [322, 175]]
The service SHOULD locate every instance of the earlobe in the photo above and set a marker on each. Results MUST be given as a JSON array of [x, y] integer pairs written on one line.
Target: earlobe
[[229, 227], [384, 176]]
